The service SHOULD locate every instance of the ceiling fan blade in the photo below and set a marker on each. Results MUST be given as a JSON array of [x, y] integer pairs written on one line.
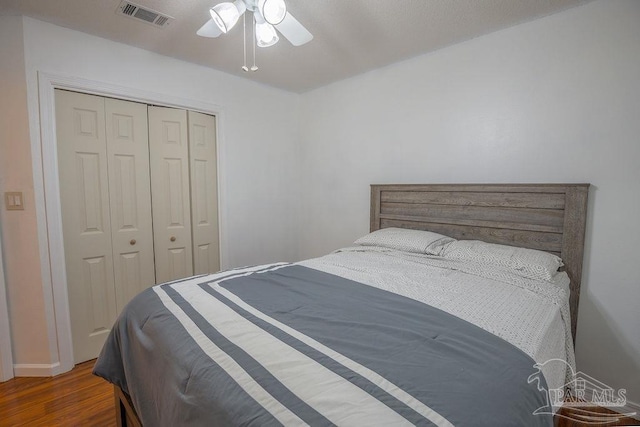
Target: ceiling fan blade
[[209, 29], [294, 31]]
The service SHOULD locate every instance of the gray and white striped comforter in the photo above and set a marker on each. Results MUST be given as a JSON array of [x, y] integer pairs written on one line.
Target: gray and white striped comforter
[[290, 345]]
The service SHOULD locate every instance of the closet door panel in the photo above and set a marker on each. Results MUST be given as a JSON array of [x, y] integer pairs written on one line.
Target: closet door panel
[[168, 143], [204, 192], [84, 196], [130, 197]]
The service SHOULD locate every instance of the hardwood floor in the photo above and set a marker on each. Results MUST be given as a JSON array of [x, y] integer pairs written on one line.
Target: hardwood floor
[[566, 417], [79, 398], [76, 398]]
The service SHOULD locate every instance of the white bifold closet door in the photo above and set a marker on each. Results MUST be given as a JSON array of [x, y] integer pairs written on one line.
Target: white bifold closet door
[[204, 192], [138, 189], [169, 149], [106, 217], [184, 192], [130, 198]]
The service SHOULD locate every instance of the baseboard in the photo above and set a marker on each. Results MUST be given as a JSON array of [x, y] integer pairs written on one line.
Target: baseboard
[[36, 369], [629, 408]]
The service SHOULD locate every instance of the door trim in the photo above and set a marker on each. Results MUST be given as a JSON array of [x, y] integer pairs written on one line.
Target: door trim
[[6, 358], [47, 195]]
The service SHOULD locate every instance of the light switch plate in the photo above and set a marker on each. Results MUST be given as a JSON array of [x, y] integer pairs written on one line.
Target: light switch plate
[[14, 201]]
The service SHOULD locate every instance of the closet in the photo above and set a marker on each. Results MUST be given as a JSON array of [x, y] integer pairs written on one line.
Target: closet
[[138, 189]]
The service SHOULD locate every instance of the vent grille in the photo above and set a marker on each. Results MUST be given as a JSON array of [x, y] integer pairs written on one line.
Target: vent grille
[[161, 20], [143, 14]]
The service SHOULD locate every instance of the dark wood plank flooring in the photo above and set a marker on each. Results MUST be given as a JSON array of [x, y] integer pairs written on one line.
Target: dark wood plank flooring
[[566, 417], [76, 398]]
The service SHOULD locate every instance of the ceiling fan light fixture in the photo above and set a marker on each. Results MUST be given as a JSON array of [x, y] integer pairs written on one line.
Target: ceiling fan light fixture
[[273, 11], [266, 35], [226, 14]]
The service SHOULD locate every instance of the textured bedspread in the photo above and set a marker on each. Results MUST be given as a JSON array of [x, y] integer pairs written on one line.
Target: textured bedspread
[[531, 314], [291, 345]]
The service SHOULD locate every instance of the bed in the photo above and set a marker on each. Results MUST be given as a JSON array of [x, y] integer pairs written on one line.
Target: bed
[[424, 333]]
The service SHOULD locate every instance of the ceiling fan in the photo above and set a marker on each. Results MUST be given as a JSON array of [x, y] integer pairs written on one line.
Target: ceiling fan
[[269, 16]]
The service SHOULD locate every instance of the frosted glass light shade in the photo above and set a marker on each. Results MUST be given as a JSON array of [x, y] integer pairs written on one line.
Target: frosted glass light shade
[[225, 15], [273, 11], [266, 35]]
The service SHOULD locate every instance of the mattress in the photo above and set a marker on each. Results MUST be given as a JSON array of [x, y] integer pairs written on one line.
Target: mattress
[[363, 336]]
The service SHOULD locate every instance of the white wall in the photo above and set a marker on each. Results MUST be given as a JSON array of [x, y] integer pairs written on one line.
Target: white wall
[[258, 153], [554, 100], [19, 232]]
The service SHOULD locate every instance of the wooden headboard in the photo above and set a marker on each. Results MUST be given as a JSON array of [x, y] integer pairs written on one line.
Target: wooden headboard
[[547, 217]]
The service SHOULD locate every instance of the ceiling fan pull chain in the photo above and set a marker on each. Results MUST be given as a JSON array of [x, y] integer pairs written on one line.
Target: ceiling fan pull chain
[[254, 67], [244, 42]]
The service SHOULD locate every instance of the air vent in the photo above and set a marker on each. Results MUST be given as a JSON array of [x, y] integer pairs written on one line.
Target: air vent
[[143, 14]]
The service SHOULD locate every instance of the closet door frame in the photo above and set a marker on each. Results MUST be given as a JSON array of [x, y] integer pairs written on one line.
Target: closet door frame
[[6, 358], [47, 198]]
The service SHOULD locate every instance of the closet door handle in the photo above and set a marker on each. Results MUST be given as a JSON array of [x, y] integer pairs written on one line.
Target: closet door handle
[[132, 242], [172, 238]]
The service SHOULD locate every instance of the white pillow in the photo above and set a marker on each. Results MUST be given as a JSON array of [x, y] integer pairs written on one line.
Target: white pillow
[[526, 262], [402, 239]]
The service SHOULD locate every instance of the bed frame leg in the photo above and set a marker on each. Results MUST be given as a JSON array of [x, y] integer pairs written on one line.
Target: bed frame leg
[[125, 413]]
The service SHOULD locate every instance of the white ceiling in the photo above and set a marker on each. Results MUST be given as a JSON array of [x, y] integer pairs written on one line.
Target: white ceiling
[[350, 36]]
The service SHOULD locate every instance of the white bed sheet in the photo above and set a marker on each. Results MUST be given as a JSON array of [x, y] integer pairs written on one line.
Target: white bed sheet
[[532, 315]]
